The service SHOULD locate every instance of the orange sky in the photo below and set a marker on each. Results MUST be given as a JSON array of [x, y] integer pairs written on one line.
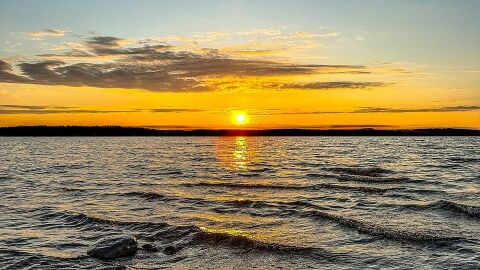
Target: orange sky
[[266, 108]]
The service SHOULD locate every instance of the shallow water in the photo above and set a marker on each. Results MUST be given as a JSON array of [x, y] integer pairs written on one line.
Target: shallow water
[[243, 202]]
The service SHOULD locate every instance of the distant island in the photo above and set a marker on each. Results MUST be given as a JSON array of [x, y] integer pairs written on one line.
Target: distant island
[[139, 131]]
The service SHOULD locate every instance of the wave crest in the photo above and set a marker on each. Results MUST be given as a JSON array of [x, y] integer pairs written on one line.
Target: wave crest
[[363, 171], [470, 210], [377, 229], [370, 179]]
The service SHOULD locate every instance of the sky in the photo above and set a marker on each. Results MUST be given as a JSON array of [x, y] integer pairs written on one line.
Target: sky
[[282, 64]]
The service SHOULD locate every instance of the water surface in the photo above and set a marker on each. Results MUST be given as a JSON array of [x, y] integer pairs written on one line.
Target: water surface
[[243, 202]]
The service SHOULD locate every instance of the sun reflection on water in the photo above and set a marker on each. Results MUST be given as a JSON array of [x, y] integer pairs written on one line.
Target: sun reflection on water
[[235, 153], [240, 153]]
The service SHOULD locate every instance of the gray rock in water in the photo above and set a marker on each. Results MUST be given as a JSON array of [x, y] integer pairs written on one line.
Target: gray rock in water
[[170, 250], [114, 247], [150, 248]]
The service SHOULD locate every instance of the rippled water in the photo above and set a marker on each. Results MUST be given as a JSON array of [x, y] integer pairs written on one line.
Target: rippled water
[[243, 202]]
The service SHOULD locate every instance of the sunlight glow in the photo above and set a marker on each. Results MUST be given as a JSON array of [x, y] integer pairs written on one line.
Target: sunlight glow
[[240, 118]]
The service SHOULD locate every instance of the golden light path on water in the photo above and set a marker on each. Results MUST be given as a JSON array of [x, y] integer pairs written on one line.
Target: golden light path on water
[[235, 153]]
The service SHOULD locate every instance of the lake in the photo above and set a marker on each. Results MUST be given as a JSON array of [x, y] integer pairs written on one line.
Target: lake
[[242, 202]]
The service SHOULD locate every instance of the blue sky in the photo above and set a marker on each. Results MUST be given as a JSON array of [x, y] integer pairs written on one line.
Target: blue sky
[[430, 32]]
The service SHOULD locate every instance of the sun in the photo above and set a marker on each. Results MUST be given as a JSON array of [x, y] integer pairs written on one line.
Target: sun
[[240, 118]]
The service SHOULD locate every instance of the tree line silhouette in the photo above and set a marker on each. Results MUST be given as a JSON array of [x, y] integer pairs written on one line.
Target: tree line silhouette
[[139, 131]]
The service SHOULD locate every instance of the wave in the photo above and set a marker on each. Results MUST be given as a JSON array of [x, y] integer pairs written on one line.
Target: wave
[[318, 175], [187, 235], [355, 188], [174, 172], [195, 201], [18, 259], [410, 234], [148, 195], [69, 166], [81, 219], [246, 186], [194, 235], [249, 174], [239, 241], [264, 169], [370, 179], [464, 159], [246, 203], [363, 171], [158, 196], [470, 210], [291, 187], [306, 164], [426, 191], [81, 189]]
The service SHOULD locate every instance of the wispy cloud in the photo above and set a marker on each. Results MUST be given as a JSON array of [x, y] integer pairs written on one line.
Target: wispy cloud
[[27, 109], [45, 33], [34, 109], [416, 110], [51, 109], [261, 32], [333, 85], [176, 110], [371, 110]]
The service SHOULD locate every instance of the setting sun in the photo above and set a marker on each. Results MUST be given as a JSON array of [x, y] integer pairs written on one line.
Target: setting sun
[[239, 118]]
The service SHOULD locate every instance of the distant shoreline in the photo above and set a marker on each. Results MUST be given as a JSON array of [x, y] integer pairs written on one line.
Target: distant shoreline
[[111, 131]]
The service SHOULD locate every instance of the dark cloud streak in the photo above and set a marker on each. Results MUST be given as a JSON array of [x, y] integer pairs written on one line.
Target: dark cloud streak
[[334, 85], [406, 110], [376, 110], [33, 109]]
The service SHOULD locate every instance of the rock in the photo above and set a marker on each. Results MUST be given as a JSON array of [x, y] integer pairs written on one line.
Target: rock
[[150, 248], [114, 247], [170, 250], [116, 267]]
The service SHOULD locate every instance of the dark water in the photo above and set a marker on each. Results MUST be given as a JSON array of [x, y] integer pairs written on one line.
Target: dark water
[[242, 202]]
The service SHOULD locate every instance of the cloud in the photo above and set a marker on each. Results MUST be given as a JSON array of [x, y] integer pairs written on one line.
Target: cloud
[[330, 34], [28, 109], [7, 76], [45, 33], [34, 109], [98, 47], [176, 110], [113, 62], [406, 110], [105, 41], [333, 85], [267, 112], [370, 110], [261, 32]]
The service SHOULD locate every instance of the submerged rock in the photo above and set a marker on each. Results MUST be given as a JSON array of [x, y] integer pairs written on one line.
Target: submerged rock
[[170, 250], [150, 248], [114, 247]]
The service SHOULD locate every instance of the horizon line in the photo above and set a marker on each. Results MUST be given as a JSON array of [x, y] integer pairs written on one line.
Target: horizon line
[[313, 128]]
